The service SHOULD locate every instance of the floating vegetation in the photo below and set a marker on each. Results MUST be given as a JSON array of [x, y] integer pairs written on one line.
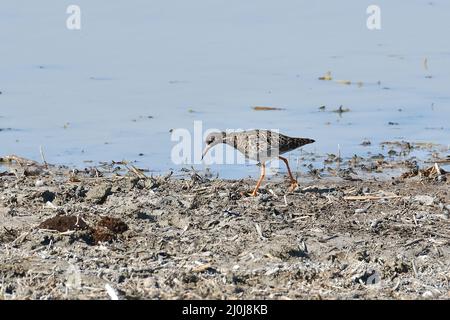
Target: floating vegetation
[[341, 110], [433, 172], [326, 77], [264, 108], [346, 82]]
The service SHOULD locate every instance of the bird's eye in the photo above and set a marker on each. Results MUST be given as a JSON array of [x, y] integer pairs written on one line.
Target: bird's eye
[[211, 140]]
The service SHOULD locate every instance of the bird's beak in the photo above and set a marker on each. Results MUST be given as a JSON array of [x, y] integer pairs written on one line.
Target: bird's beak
[[205, 151]]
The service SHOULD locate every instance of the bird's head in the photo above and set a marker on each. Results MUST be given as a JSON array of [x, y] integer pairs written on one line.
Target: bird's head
[[212, 139]]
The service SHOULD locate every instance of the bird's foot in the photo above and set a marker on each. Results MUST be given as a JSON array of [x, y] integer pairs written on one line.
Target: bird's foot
[[253, 193], [294, 186]]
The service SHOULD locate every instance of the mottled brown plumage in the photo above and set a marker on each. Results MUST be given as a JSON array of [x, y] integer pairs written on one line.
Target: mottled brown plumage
[[259, 145]]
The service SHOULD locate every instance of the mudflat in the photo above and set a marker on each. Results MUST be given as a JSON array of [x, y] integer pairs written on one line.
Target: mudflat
[[69, 234]]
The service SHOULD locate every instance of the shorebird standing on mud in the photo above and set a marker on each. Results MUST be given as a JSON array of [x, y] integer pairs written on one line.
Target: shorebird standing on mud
[[259, 145]]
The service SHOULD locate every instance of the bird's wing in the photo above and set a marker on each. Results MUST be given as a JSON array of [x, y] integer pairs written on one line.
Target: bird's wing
[[259, 144]]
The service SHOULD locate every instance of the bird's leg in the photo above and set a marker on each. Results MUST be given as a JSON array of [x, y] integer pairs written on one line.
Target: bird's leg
[[263, 174], [294, 183]]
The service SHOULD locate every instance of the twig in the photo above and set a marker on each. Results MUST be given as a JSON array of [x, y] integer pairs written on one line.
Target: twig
[[370, 197], [413, 242], [20, 161], [111, 292], [439, 161], [137, 172], [414, 268], [202, 267], [438, 170], [259, 231], [21, 238], [41, 150], [396, 286], [9, 231], [339, 158]]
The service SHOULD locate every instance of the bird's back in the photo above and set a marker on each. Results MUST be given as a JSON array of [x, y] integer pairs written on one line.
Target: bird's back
[[261, 145]]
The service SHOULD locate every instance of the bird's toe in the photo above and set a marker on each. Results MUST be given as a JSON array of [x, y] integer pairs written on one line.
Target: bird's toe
[[294, 186], [253, 193]]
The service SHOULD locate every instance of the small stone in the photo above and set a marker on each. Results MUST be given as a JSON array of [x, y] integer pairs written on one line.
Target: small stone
[[39, 183], [425, 200], [80, 192], [150, 283], [48, 196], [98, 194], [375, 223]]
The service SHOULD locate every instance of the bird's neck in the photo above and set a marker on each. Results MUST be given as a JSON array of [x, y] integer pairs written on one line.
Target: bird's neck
[[230, 139]]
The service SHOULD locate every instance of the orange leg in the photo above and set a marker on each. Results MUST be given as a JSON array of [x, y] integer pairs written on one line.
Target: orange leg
[[294, 183], [263, 174]]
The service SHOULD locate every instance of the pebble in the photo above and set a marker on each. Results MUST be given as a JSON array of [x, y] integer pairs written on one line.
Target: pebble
[[98, 194], [48, 196], [425, 200], [375, 223], [428, 295], [39, 183], [150, 283]]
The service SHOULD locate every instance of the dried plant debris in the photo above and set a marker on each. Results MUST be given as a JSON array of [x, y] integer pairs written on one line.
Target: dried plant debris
[[188, 235], [100, 235], [98, 194], [433, 172], [399, 144], [346, 82], [64, 223], [326, 77], [341, 110], [106, 229], [19, 160], [113, 224], [265, 108]]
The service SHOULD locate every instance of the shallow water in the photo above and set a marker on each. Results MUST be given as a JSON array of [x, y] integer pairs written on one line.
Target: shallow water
[[87, 95]]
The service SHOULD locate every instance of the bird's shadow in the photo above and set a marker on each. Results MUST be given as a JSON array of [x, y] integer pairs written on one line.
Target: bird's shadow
[[145, 216], [318, 190]]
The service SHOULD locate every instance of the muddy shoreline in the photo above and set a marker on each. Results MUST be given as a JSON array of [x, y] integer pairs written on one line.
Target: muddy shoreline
[[66, 234]]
